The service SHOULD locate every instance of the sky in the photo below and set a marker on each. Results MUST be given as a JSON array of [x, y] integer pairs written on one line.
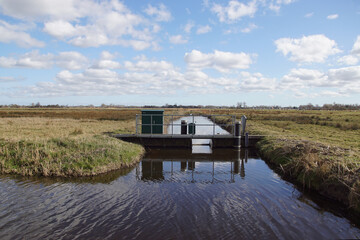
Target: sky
[[262, 52]]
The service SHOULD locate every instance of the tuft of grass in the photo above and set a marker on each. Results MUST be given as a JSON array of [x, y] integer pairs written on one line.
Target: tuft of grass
[[77, 131]]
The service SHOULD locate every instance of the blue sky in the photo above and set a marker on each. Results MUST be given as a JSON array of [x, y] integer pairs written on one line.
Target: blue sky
[[262, 52]]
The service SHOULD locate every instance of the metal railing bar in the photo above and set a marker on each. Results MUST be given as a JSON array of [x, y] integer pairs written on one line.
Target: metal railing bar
[[172, 124]]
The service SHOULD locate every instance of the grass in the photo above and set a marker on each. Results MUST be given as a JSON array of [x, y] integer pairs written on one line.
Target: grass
[[64, 147], [71, 113]]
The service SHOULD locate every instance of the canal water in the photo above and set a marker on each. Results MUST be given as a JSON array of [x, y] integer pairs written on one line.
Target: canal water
[[171, 194]]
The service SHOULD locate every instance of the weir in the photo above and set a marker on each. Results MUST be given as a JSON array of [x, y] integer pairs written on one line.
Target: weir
[[154, 129]]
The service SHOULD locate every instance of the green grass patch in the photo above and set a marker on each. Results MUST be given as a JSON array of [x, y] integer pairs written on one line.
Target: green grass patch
[[67, 157]]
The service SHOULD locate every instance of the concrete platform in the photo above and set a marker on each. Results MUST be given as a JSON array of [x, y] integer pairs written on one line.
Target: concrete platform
[[185, 141]]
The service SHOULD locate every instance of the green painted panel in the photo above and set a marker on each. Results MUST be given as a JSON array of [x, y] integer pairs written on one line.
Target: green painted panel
[[155, 117]]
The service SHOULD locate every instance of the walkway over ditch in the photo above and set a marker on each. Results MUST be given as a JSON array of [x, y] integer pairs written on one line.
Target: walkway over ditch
[[154, 129]]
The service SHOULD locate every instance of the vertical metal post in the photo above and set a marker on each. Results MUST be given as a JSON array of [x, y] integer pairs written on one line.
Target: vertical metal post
[[233, 124], [213, 125], [183, 127], [243, 123], [172, 124], [136, 124], [151, 127], [171, 167], [246, 139], [237, 135], [193, 125]]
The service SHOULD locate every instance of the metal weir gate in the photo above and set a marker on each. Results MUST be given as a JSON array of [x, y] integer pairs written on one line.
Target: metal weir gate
[[156, 130], [154, 122]]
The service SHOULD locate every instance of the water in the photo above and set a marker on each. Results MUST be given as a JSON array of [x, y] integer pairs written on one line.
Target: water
[[171, 194]]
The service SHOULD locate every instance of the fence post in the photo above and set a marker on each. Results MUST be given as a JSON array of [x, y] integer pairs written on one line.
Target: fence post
[[214, 119], [151, 127], [233, 124], [243, 123], [237, 135], [136, 124], [183, 127], [246, 139]]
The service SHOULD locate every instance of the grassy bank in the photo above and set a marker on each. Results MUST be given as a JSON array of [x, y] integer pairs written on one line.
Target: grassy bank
[[64, 147], [319, 150]]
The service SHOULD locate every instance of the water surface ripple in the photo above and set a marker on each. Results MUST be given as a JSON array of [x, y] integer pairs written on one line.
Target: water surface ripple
[[171, 194]]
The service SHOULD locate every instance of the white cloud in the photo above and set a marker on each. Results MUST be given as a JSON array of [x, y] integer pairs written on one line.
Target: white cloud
[[144, 65], [161, 14], [10, 33], [88, 23], [40, 9], [309, 15], [348, 60], [203, 29], [345, 75], [354, 57], [189, 26], [256, 82], [35, 60], [71, 60], [302, 78], [275, 5], [341, 81], [332, 17], [234, 11], [29, 60], [221, 61], [249, 28], [60, 29], [8, 79], [107, 64], [308, 49], [178, 39], [356, 47], [105, 55]]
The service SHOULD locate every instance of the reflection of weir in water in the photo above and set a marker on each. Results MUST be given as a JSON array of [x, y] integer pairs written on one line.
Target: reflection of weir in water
[[220, 166]]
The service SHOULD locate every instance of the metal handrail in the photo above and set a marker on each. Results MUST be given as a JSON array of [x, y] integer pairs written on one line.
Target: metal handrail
[[172, 124]]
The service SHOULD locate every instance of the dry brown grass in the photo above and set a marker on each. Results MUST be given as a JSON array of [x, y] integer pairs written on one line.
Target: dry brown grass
[[64, 147]]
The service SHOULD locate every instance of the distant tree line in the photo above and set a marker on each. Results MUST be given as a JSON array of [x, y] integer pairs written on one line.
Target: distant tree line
[[240, 105], [334, 106]]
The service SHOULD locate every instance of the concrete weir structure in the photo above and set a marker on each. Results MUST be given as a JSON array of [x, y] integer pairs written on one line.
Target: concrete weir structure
[[154, 129], [185, 141]]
